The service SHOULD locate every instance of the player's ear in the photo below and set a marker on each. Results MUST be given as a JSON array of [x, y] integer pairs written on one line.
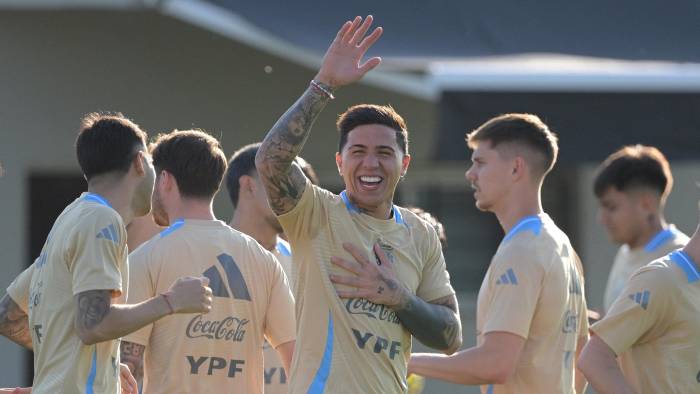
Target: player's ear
[[405, 162], [339, 162], [139, 163], [246, 184], [519, 166], [649, 202]]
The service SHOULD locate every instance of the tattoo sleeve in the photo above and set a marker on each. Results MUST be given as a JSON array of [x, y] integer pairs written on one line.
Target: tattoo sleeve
[[93, 306], [132, 355], [283, 180], [435, 324], [14, 323]]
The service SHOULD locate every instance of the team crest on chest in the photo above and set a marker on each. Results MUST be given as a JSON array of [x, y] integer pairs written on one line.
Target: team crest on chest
[[388, 250]]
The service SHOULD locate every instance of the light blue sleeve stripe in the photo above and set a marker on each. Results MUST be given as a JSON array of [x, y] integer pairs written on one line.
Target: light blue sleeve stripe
[[397, 215], [324, 370], [283, 248], [348, 204], [685, 262], [489, 390], [659, 239], [98, 199], [179, 223], [532, 223], [90, 383]]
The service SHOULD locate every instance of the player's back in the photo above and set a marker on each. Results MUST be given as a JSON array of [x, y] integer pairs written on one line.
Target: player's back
[[85, 250], [534, 289], [220, 351]]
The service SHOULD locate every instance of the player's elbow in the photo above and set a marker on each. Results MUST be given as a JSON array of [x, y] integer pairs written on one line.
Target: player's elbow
[[87, 337], [90, 336], [453, 346]]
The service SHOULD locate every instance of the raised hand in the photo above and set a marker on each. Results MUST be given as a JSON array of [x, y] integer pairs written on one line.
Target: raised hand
[[372, 281], [190, 295], [341, 64]]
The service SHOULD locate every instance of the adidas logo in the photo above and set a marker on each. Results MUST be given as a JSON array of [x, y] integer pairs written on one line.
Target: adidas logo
[[508, 278], [109, 233], [641, 298], [235, 284]]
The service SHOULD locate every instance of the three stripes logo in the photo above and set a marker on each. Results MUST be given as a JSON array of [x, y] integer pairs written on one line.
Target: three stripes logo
[[235, 284], [508, 278], [109, 233], [641, 298]]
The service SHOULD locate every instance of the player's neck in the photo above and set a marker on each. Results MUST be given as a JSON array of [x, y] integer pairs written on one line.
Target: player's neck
[[118, 194], [191, 208], [517, 206], [655, 224], [254, 227], [381, 211]]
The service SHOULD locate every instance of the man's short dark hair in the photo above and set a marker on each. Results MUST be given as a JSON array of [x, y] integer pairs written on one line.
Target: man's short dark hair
[[635, 166], [524, 130], [107, 143], [195, 160], [366, 114], [242, 162]]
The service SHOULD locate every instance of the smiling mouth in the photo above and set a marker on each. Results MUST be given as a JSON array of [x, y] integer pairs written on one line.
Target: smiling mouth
[[370, 182]]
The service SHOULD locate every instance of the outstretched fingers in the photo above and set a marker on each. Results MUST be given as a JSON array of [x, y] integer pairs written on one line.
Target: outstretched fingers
[[350, 32], [361, 31], [343, 30]]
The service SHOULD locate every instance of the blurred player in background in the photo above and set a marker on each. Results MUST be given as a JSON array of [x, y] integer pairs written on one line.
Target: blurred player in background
[[140, 230], [531, 312], [632, 186], [221, 351], [253, 216], [70, 300], [649, 341]]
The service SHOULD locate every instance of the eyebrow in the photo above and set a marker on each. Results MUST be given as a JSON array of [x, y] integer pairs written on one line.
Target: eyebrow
[[377, 148]]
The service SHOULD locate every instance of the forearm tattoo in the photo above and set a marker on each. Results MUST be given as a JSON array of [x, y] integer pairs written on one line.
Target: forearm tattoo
[[284, 180], [14, 323], [435, 324]]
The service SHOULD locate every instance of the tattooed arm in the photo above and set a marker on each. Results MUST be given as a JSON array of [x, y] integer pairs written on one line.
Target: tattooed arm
[[132, 356], [435, 324], [14, 323], [283, 180], [98, 320]]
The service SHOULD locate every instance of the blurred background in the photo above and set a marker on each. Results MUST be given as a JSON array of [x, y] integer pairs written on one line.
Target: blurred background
[[600, 74]]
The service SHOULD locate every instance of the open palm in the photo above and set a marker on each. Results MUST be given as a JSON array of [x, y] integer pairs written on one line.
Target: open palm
[[341, 64]]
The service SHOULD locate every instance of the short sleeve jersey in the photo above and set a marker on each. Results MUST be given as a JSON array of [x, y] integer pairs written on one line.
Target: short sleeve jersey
[[221, 351], [534, 289], [627, 260], [276, 379], [354, 345], [85, 250], [654, 326]]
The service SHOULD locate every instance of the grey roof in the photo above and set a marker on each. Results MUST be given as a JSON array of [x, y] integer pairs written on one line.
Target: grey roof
[[625, 29]]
